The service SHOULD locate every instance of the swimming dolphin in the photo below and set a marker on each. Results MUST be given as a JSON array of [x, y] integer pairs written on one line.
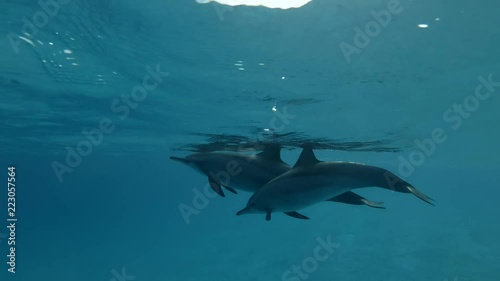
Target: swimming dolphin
[[244, 172], [250, 172], [312, 181]]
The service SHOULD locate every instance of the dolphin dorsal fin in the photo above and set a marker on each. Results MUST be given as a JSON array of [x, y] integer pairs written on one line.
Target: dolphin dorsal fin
[[306, 158], [271, 153]]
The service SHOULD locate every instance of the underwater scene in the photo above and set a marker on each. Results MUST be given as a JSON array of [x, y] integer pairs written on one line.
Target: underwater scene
[[249, 140]]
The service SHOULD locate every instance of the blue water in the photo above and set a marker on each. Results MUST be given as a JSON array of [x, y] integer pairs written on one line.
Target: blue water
[[223, 77]]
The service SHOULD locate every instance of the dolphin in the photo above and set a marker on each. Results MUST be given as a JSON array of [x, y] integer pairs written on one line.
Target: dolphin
[[312, 181], [244, 172], [249, 173]]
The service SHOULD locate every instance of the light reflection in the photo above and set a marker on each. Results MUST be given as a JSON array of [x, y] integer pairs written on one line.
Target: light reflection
[[280, 4], [26, 40]]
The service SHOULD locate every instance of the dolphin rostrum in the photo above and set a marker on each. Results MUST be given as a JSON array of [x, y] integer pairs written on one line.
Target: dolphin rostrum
[[312, 181], [233, 171]]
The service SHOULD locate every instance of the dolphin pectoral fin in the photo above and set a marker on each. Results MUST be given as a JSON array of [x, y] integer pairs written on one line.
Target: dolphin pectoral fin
[[352, 198], [216, 187], [268, 216], [420, 195], [296, 215], [230, 189]]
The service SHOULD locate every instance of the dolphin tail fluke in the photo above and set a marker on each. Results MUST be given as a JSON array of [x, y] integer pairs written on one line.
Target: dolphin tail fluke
[[420, 195], [352, 198]]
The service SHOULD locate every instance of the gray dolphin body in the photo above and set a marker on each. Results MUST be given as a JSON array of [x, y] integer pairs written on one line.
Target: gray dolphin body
[[312, 181], [233, 171], [243, 172]]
